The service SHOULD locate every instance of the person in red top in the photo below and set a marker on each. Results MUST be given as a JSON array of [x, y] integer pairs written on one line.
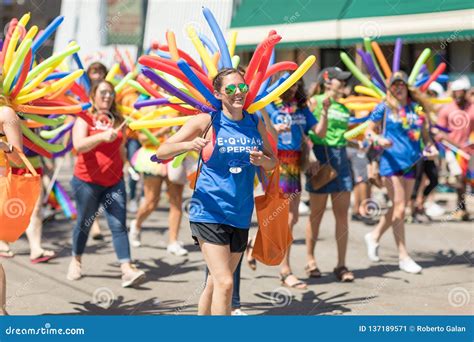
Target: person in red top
[[98, 180], [458, 117]]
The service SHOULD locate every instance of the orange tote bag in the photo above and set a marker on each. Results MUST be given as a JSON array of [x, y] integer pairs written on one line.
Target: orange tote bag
[[18, 197], [273, 235]]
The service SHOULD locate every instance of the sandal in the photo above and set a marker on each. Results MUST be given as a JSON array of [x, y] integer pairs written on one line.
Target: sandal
[[343, 274], [45, 256], [299, 284], [250, 259], [312, 272]]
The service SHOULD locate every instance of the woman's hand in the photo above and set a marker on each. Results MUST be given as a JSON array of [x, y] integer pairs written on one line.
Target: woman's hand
[[383, 142], [197, 144], [109, 135], [281, 127], [256, 157], [430, 152], [326, 105]]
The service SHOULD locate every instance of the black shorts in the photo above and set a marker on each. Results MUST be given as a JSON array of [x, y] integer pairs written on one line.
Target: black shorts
[[220, 234]]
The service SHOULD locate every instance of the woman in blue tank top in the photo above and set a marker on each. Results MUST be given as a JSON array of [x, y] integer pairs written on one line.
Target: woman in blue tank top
[[222, 204]]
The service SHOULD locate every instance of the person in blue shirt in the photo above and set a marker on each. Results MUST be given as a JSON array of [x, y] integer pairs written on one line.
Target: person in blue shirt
[[403, 129], [222, 204], [292, 120]]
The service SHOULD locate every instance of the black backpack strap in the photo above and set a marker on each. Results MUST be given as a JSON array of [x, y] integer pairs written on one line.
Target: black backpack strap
[[203, 135]]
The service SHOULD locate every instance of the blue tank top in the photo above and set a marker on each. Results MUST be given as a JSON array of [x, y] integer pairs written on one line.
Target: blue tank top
[[224, 188]]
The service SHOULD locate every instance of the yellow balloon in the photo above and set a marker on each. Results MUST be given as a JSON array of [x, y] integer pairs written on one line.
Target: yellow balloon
[[118, 88], [160, 123], [367, 91], [138, 87], [64, 82], [112, 72], [21, 25], [441, 101], [361, 106], [202, 51], [31, 32], [294, 77], [232, 43], [17, 62]]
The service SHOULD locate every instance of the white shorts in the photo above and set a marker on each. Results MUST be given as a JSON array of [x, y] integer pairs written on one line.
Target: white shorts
[[453, 166], [179, 174]]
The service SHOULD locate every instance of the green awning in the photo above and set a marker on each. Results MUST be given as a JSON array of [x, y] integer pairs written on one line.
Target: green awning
[[339, 23]]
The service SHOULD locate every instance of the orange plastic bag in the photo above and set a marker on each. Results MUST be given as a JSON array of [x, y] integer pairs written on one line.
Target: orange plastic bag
[[18, 197], [274, 234]]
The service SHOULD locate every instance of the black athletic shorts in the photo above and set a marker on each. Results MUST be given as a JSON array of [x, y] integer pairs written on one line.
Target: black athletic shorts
[[220, 234]]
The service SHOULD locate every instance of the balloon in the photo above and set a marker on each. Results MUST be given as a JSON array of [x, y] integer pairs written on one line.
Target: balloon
[[62, 133], [208, 43], [297, 74], [35, 148], [381, 58], [438, 71], [73, 109], [152, 102], [171, 39], [356, 131], [368, 49], [11, 29], [174, 91], [367, 91], [50, 88], [419, 62], [54, 132], [186, 57], [169, 122], [46, 121], [13, 41], [233, 43], [72, 47], [282, 79], [281, 66], [361, 106], [188, 72], [112, 72], [56, 75], [178, 160], [364, 99], [371, 68], [441, 101], [359, 75], [77, 90], [202, 51], [235, 61], [85, 77], [118, 88], [397, 54], [224, 50], [23, 73], [47, 32], [40, 142], [268, 42]]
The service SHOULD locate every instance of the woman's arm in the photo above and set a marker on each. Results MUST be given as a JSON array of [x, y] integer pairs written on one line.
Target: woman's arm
[[83, 142], [269, 124], [374, 138], [321, 128], [186, 139], [265, 158], [12, 130]]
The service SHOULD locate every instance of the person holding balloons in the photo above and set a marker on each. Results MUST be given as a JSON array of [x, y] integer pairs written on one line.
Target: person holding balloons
[[292, 119], [98, 180], [330, 150], [402, 126], [223, 197]]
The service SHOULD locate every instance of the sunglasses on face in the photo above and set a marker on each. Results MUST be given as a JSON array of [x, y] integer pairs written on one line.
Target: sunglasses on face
[[231, 89], [104, 93]]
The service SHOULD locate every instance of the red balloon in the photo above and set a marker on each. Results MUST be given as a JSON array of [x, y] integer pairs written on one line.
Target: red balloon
[[35, 148], [267, 43], [23, 73], [186, 57], [438, 71]]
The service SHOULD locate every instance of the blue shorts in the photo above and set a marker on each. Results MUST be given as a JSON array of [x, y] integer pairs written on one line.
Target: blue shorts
[[339, 161]]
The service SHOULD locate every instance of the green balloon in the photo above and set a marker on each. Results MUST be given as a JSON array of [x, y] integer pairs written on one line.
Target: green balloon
[[358, 74], [419, 62]]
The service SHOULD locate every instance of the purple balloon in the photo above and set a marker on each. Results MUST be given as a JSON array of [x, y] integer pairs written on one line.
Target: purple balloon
[[176, 92], [397, 53], [152, 102], [61, 134], [369, 63], [63, 152]]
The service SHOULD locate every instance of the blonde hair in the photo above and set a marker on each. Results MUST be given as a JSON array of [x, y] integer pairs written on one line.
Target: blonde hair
[[415, 95]]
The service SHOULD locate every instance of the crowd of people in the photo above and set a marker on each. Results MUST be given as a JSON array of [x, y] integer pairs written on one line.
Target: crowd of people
[[400, 155]]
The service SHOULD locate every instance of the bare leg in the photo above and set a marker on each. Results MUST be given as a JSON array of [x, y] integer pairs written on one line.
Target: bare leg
[[34, 232], [386, 220], [3, 292], [340, 207], [176, 210], [152, 190], [318, 206]]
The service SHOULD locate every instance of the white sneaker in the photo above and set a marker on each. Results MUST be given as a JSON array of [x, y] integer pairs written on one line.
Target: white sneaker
[[372, 247], [303, 208], [433, 209], [132, 206], [134, 174], [409, 266], [176, 248], [134, 235], [238, 312]]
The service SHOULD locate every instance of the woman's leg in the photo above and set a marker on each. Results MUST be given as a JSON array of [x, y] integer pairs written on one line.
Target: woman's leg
[[176, 210], [152, 190], [236, 288], [340, 207], [3, 292], [285, 269], [222, 264], [403, 188], [317, 204]]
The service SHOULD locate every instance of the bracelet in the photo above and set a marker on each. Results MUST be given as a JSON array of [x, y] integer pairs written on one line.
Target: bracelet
[[10, 148]]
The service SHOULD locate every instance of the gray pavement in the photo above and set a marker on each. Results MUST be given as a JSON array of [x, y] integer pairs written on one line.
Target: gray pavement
[[443, 248]]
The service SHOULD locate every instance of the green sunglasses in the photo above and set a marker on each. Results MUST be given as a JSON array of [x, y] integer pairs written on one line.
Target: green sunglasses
[[231, 89]]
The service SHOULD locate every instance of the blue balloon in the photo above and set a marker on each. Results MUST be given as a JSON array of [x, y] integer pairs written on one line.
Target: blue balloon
[[47, 32], [84, 77], [186, 69], [224, 49], [282, 79], [163, 54], [210, 45], [56, 75]]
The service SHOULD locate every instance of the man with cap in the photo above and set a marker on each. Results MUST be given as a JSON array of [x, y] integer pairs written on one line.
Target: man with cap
[[458, 117]]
